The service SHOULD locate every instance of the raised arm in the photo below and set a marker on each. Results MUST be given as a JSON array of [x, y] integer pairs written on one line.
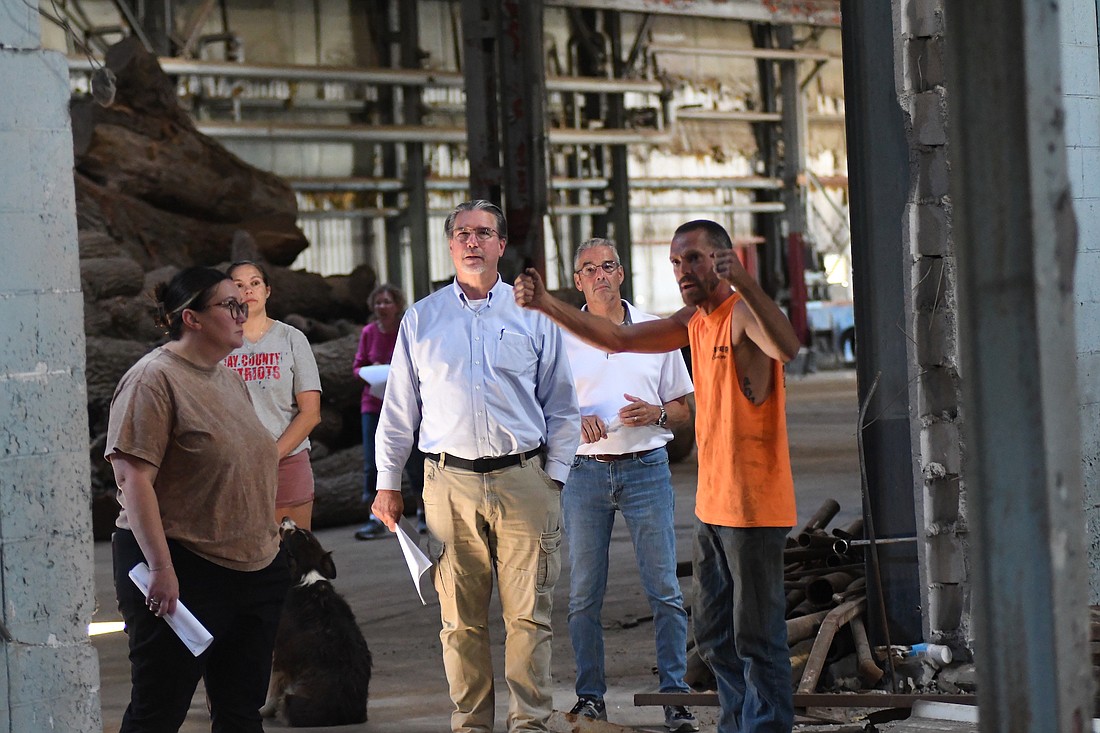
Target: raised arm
[[764, 323], [649, 337]]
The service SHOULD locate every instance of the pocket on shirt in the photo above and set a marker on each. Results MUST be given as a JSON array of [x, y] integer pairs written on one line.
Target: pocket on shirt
[[549, 561], [515, 352]]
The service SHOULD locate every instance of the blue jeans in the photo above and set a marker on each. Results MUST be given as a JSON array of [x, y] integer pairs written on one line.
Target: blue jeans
[[414, 467], [740, 631], [641, 489]]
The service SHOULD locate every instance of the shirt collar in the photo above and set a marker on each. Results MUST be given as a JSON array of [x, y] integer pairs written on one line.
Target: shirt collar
[[457, 290]]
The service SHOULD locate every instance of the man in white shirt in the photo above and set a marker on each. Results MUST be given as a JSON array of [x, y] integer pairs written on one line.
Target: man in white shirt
[[629, 404], [488, 385]]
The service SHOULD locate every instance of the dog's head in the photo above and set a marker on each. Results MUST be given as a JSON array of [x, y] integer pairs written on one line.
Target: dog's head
[[304, 552]]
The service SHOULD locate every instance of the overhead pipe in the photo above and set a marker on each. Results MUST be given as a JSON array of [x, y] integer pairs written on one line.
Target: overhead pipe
[[566, 210], [409, 134], [718, 115], [559, 183], [770, 54], [377, 76]]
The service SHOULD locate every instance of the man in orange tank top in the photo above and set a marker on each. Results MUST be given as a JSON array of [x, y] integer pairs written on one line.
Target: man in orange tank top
[[744, 505]]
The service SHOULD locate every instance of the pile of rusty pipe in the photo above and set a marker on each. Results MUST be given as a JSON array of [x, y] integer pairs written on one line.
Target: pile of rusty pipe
[[807, 574], [821, 590], [817, 538], [804, 627], [833, 622], [852, 531], [842, 546], [822, 516], [869, 672], [857, 588]]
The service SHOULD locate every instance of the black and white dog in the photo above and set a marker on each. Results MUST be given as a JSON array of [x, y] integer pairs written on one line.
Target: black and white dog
[[321, 667]]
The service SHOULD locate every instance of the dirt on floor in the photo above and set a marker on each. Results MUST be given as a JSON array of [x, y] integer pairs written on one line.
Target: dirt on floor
[[409, 690]]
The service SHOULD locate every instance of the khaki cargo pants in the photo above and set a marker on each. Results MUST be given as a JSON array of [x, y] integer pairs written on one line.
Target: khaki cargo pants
[[508, 521]]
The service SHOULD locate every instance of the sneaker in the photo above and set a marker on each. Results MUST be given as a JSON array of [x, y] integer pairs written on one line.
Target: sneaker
[[591, 708], [372, 530], [679, 718]]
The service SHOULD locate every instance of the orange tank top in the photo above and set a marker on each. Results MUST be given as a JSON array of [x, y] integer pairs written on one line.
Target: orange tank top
[[744, 459]]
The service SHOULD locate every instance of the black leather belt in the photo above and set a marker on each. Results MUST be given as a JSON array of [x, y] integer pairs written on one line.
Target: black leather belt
[[482, 465], [612, 457]]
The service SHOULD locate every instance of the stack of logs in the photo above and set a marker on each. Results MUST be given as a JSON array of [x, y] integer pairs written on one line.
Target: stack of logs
[[826, 590]]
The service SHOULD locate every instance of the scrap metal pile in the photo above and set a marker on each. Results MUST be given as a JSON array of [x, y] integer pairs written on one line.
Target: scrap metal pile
[[825, 577]]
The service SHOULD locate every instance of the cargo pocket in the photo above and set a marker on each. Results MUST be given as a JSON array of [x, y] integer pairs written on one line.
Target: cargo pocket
[[549, 561], [442, 573]]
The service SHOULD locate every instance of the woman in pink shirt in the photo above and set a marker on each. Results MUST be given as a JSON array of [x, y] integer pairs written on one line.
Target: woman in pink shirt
[[387, 304]]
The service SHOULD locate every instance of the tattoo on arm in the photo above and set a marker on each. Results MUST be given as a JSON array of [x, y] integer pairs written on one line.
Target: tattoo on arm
[[746, 388]]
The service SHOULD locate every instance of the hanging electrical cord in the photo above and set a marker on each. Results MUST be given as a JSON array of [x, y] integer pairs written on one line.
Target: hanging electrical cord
[[102, 81]]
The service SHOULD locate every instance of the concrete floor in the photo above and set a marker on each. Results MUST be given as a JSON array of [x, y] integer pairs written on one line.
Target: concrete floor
[[408, 688]]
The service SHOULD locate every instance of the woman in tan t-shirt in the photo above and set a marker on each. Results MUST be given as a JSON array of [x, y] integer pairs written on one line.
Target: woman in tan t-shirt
[[196, 476]]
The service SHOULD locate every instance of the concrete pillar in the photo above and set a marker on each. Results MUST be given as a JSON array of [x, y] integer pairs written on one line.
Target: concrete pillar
[[1015, 235], [1081, 95], [49, 673], [920, 74]]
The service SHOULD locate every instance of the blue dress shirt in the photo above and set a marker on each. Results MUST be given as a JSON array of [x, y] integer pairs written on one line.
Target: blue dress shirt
[[481, 383]]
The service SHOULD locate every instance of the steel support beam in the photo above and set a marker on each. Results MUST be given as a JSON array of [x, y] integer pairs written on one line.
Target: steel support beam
[[523, 140], [1015, 239], [878, 165], [620, 176], [771, 272], [794, 198], [415, 173], [386, 35], [479, 69]]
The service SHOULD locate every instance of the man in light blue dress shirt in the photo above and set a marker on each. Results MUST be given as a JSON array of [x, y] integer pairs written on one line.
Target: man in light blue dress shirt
[[488, 385]]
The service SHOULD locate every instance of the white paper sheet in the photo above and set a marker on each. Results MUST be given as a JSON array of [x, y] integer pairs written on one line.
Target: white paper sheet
[[188, 628], [375, 376], [417, 561]]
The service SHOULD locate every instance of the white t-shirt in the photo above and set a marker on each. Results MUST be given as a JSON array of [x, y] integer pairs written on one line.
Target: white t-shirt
[[275, 368], [602, 379]]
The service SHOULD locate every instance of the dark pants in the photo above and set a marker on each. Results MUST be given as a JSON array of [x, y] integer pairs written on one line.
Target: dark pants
[[240, 609], [740, 631]]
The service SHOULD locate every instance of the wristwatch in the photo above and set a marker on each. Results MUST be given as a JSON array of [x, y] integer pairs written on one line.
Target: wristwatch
[[663, 419]]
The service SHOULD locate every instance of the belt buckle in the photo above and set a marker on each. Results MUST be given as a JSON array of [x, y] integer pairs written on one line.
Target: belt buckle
[[604, 458]]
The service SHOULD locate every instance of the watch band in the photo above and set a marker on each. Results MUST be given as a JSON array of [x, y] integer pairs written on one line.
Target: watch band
[[663, 419]]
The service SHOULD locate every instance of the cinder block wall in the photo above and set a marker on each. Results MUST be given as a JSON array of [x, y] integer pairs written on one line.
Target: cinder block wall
[[49, 673], [1081, 97], [921, 77]]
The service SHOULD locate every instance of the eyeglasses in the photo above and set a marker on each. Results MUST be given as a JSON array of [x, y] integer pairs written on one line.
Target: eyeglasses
[[483, 234], [235, 307], [590, 270]]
